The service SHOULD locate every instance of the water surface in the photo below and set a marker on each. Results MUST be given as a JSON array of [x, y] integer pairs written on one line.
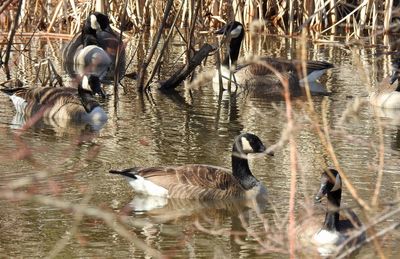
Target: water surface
[[192, 126]]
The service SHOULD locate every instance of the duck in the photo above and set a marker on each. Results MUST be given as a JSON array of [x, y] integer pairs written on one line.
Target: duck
[[94, 50], [256, 77], [201, 181], [61, 103], [338, 228], [387, 95]]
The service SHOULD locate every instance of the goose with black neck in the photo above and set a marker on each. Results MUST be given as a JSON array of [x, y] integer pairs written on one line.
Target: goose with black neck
[[258, 77], [200, 181]]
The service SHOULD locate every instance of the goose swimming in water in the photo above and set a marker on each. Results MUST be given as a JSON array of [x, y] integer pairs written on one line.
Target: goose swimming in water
[[256, 77], [388, 93], [339, 226], [61, 103], [203, 182], [94, 50]]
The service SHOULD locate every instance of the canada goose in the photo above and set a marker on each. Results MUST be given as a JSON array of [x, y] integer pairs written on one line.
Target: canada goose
[[202, 182], [94, 50], [64, 103], [257, 77], [388, 95], [336, 228]]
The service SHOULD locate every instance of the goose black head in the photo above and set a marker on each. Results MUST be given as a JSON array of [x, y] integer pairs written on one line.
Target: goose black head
[[92, 84], [248, 143], [396, 70], [233, 29], [330, 182], [97, 21]]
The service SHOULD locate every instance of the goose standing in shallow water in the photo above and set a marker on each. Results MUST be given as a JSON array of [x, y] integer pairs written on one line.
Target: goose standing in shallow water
[[388, 94], [336, 229], [257, 78], [61, 103], [203, 182], [94, 50]]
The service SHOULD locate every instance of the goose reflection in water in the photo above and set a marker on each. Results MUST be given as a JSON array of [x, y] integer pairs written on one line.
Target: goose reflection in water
[[236, 219]]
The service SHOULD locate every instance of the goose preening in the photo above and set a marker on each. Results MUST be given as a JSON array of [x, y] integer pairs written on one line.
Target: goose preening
[[94, 50], [388, 94], [257, 77], [61, 103], [339, 227], [203, 182]]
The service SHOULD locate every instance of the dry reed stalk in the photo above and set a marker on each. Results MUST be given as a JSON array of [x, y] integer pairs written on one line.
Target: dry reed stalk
[[291, 232], [333, 14], [328, 144], [149, 56], [193, 19], [291, 17], [388, 15], [4, 5], [384, 216], [381, 162], [11, 39], [347, 17], [293, 175], [58, 8], [42, 34], [118, 56], [165, 44], [74, 29], [374, 18]]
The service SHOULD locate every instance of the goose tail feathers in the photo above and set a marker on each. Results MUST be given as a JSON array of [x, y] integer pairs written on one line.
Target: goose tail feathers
[[129, 172]]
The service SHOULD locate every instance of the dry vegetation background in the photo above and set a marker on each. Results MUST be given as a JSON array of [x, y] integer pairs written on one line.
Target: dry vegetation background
[[358, 21], [136, 15]]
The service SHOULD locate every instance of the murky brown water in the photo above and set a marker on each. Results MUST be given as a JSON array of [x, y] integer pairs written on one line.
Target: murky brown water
[[190, 127]]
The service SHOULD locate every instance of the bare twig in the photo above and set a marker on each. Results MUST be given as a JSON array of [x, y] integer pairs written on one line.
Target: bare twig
[[149, 56]]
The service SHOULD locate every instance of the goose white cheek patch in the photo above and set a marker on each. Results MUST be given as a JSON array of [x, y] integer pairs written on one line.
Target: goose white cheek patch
[[236, 32], [85, 83], [93, 22], [338, 184], [246, 145]]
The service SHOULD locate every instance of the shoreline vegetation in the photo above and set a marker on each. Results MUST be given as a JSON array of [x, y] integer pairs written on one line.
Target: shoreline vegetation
[[362, 21], [361, 18]]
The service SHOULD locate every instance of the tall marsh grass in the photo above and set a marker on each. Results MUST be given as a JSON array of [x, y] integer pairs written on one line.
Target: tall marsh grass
[[323, 16]]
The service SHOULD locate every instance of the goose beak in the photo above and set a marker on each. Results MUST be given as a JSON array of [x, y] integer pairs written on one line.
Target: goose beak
[[394, 77], [269, 151], [220, 31], [321, 193], [96, 87]]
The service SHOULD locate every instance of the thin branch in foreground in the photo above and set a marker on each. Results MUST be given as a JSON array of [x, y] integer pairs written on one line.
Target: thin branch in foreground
[[109, 218]]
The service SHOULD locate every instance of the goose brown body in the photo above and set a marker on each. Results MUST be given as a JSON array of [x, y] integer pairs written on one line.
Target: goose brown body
[[259, 79], [203, 182], [95, 50], [387, 95], [53, 102], [256, 76], [64, 103]]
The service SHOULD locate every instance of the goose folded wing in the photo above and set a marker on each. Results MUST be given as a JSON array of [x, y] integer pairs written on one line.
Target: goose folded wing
[[194, 181]]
